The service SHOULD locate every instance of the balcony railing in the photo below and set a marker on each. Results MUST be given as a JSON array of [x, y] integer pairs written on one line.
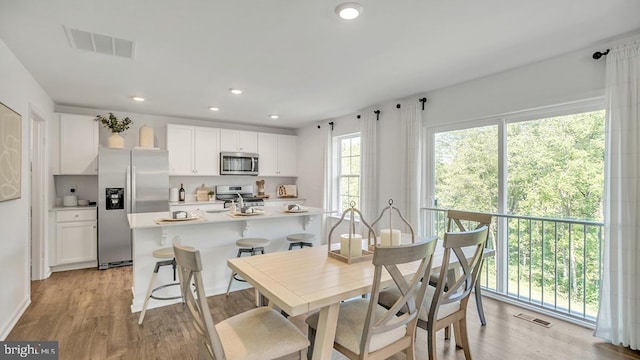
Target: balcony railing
[[552, 264]]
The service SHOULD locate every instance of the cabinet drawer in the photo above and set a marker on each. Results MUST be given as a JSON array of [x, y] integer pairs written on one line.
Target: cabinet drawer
[[76, 215]]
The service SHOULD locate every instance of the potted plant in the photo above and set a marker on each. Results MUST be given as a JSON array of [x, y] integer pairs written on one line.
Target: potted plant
[[116, 126], [212, 195]]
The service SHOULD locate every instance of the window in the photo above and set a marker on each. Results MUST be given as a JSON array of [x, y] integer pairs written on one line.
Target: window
[[348, 170], [542, 173]]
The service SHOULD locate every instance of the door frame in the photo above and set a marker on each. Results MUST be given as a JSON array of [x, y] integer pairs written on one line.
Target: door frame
[[38, 195]]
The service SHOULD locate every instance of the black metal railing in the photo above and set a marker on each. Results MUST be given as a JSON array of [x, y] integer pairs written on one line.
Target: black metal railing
[[553, 264]]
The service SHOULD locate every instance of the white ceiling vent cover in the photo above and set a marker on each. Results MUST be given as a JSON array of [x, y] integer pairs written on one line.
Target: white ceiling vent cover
[[98, 43]]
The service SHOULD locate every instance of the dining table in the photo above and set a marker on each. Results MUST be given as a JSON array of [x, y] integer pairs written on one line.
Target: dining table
[[307, 280]]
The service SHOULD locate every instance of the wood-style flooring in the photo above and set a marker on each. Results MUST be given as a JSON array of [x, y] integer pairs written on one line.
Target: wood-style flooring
[[88, 313]]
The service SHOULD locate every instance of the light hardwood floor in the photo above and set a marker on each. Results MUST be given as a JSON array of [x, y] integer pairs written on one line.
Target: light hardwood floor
[[88, 312]]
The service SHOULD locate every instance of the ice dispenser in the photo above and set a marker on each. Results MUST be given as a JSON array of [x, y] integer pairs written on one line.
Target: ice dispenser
[[115, 198]]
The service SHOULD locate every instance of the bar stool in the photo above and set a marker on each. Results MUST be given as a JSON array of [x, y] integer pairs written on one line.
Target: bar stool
[[301, 240], [247, 246], [169, 259]]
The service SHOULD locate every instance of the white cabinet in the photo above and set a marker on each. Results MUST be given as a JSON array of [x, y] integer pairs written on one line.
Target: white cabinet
[[76, 237], [238, 141], [193, 150], [78, 145], [278, 154]]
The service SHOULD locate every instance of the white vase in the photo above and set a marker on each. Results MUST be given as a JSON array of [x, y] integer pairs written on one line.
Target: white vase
[[115, 141]]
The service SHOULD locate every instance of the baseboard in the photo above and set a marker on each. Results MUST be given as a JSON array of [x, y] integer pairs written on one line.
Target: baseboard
[[6, 328], [75, 266]]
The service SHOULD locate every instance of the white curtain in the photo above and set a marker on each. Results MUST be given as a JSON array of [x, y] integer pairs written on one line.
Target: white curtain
[[619, 314], [369, 166], [410, 136], [328, 202]]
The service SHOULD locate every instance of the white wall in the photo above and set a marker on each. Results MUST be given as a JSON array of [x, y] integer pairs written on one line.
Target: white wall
[[19, 91], [570, 77]]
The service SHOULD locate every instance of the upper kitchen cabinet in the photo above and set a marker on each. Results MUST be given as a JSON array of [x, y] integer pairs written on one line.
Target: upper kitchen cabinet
[[193, 150], [78, 145], [238, 141], [278, 154]]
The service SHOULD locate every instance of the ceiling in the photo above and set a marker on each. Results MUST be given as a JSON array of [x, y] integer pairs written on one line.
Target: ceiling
[[294, 58]]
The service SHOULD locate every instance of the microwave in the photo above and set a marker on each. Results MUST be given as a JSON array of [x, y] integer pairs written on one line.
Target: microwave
[[238, 163]]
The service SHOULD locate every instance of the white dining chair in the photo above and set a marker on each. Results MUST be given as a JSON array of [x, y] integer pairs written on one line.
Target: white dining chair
[[446, 303], [366, 330], [257, 334]]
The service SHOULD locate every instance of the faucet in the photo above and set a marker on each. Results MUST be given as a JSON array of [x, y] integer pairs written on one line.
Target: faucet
[[240, 200]]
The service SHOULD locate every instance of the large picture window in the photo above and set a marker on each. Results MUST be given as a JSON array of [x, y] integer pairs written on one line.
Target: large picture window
[[541, 173]]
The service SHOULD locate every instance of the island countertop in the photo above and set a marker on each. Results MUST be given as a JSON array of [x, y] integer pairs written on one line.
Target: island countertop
[[148, 220]]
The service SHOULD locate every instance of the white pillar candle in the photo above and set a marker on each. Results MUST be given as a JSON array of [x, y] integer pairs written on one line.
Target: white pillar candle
[[390, 237], [355, 246], [146, 136]]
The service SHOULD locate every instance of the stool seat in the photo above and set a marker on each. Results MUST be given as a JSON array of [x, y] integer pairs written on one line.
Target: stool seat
[[252, 242], [301, 240], [164, 253], [301, 237]]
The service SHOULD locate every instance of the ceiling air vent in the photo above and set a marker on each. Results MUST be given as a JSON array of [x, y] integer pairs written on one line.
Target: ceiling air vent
[[98, 43]]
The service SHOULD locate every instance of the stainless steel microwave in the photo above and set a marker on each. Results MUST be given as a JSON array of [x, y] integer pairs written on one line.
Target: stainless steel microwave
[[238, 163]]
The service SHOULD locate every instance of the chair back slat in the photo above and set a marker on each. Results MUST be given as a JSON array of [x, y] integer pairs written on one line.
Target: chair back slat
[[190, 265], [448, 291], [412, 291]]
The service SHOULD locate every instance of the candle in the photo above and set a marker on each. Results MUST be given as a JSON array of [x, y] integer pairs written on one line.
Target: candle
[[390, 237], [356, 245], [146, 136]]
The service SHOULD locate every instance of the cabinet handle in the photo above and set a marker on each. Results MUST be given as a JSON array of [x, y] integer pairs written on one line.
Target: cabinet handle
[[77, 215]]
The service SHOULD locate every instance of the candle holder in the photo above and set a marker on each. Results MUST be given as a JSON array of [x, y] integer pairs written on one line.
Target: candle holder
[[390, 236], [351, 250]]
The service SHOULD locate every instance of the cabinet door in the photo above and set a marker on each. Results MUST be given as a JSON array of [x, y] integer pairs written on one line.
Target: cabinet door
[[180, 145], [287, 155], [248, 141], [268, 152], [229, 140], [76, 242], [207, 151], [78, 145]]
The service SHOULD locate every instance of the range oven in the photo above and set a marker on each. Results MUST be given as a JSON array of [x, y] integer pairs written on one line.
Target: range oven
[[238, 163], [233, 193]]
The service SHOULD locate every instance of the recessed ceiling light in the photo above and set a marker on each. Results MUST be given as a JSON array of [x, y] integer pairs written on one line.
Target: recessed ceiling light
[[349, 10], [213, 108], [138, 98], [274, 116], [236, 91]]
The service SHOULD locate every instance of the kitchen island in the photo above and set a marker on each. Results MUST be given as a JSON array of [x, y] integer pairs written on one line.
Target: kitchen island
[[214, 234]]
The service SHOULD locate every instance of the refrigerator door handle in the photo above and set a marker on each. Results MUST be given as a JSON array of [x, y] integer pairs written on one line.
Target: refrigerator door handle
[[132, 174], [127, 187]]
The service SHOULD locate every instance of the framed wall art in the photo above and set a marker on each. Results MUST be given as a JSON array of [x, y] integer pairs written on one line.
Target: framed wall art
[[10, 153]]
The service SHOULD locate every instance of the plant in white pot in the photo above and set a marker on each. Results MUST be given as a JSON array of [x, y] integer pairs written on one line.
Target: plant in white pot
[[116, 126]]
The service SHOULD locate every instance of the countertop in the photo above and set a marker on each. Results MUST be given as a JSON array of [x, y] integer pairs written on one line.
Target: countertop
[[65, 208], [147, 220]]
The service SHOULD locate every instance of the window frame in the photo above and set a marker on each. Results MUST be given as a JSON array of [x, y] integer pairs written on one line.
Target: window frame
[[337, 161]]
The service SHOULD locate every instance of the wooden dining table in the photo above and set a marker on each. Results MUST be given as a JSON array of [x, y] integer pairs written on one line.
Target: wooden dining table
[[307, 280]]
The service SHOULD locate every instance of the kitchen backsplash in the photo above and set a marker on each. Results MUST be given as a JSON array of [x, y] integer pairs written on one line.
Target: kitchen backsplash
[[191, 183]]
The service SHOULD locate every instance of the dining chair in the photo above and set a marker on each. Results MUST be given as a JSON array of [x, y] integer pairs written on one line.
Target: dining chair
[[366, 330], [463, 221], [257, 334], [446, 303]]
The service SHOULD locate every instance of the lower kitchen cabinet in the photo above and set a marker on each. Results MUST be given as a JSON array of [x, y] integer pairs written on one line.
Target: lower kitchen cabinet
[[76, 239]]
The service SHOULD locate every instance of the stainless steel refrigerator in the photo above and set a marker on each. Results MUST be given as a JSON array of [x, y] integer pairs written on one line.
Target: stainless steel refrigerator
[[129, 181]]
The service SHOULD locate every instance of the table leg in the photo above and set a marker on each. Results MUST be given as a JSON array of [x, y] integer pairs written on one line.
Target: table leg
[[326, 332]]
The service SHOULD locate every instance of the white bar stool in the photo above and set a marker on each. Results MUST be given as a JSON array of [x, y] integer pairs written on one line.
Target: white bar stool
[[247, 246], [301, 240], [167, 254]]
